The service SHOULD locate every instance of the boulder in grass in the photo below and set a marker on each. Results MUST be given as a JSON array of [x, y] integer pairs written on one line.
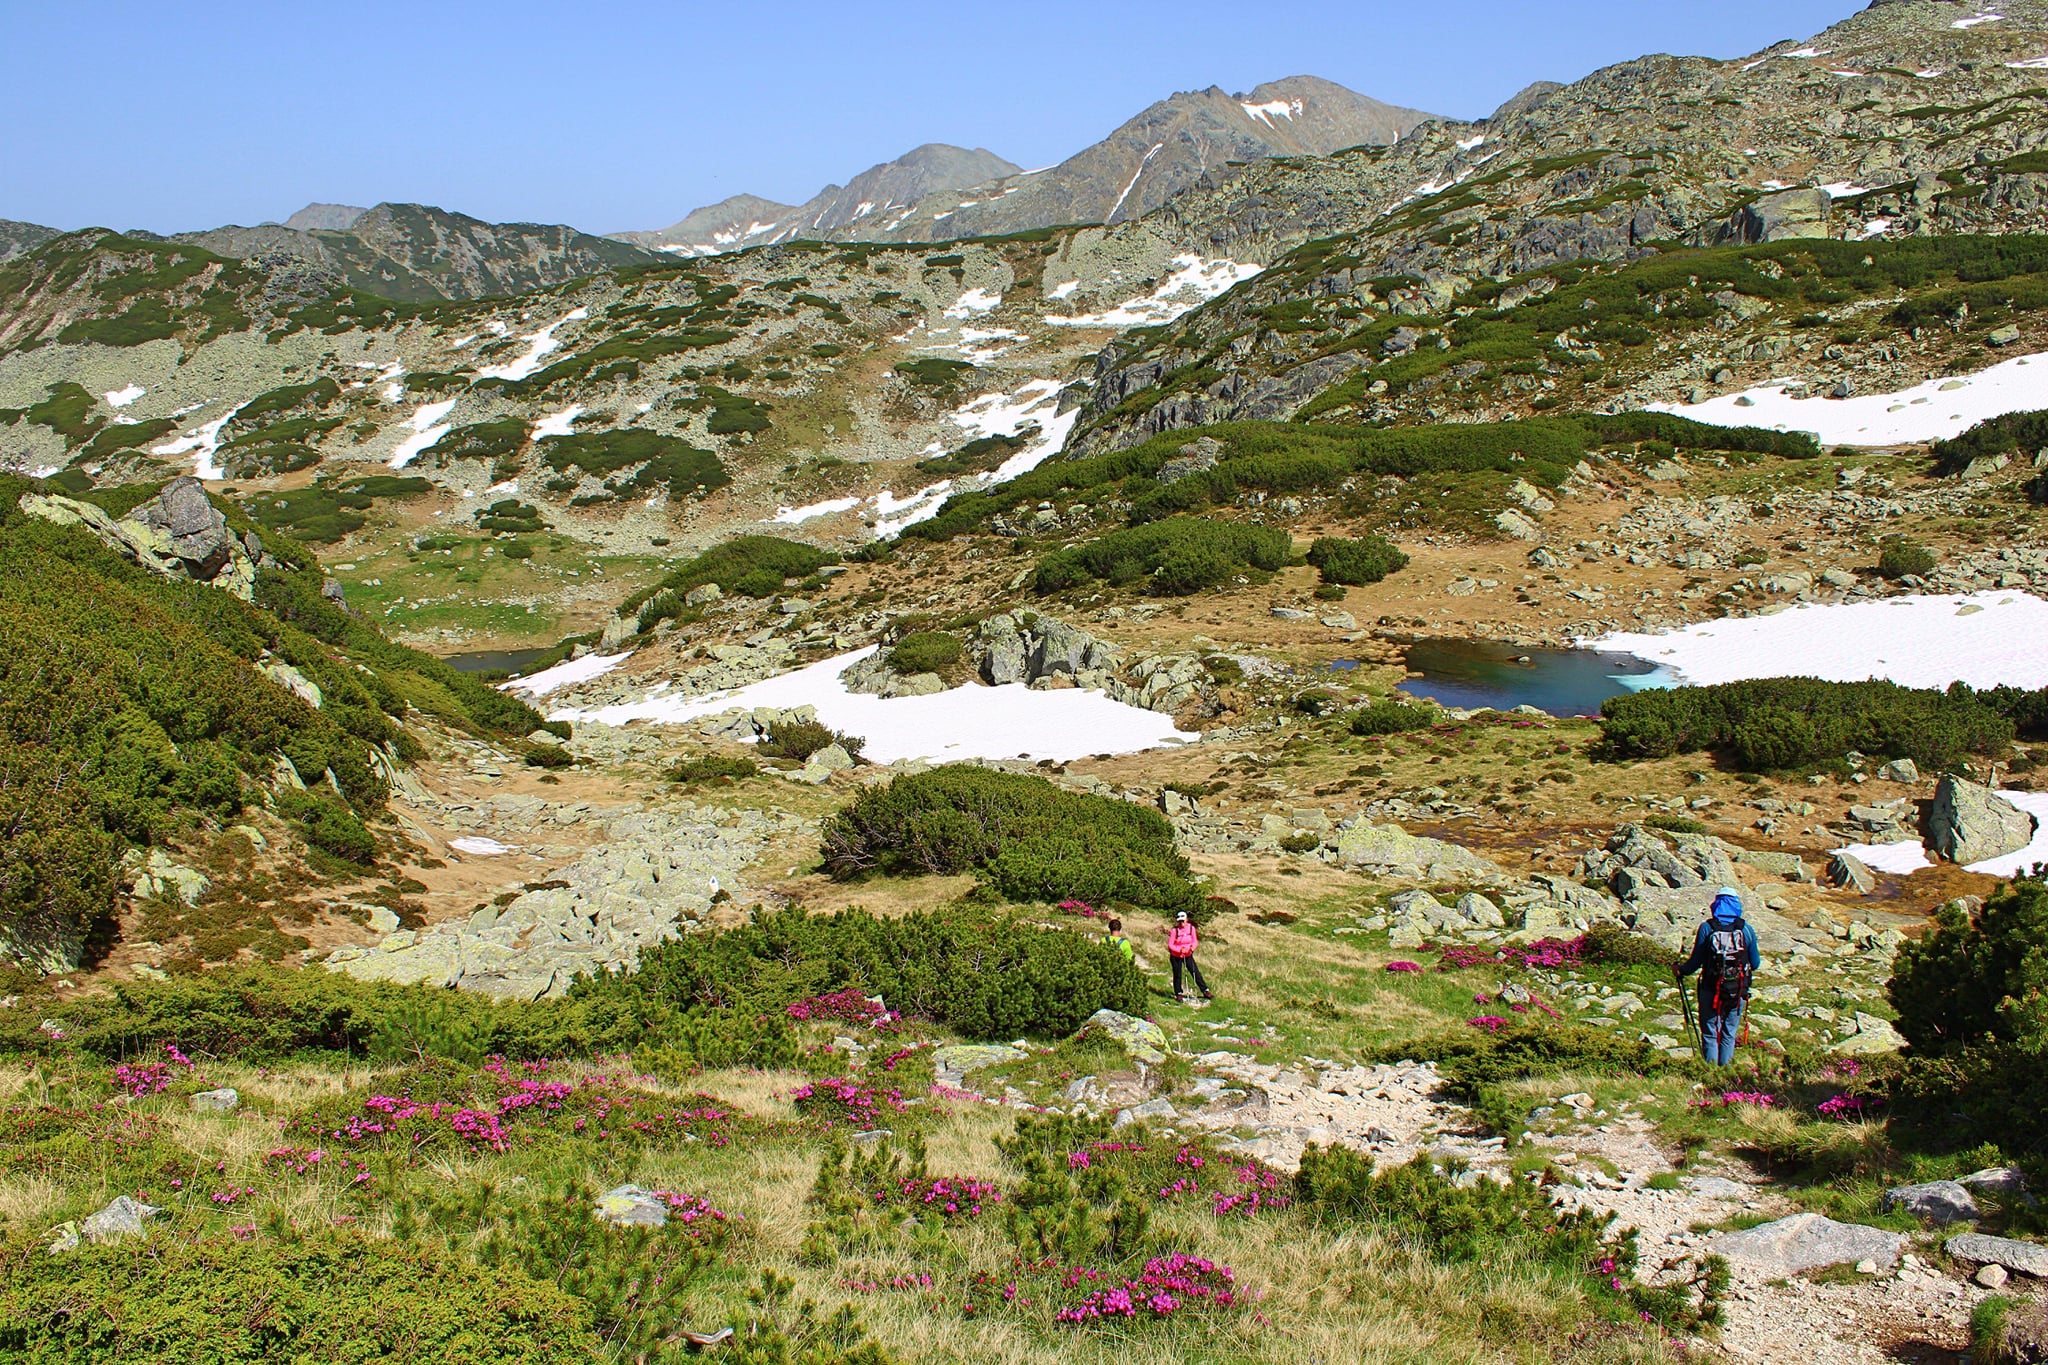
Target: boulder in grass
[[1807, 1241], [1142, 1038], [1937, 1201], [122, 1218], [630, 1206]]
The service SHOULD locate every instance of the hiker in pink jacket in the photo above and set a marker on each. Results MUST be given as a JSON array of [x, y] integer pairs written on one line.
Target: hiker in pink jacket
[[1181, 942]]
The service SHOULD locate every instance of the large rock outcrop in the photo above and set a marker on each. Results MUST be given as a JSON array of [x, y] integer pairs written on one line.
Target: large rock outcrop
[[1971, 824], [179, 534]]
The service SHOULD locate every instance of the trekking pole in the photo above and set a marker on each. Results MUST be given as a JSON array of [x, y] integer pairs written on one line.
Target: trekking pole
[[1692, 1024]]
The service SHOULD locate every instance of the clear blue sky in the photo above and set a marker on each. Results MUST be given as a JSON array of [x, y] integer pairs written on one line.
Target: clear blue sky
[[176, 116]]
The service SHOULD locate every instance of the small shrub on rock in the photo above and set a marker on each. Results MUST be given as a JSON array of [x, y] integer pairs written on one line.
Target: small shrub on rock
[[925, 651]]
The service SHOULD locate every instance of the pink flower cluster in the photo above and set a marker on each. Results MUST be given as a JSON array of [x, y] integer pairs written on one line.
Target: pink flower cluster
[[918, 1280], [1404, 966], [688, 1209], [1841, 1107], [1730, 1097], [951, 1196], [1492, 1023], [1548, 952], [837, 1097], [1263, 1192], [1169, 1284], [848, 1006], [1081, 908], [152, 1078]]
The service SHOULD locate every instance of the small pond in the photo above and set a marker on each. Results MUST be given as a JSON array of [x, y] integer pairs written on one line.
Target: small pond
[[1561, 682], [492, 660]]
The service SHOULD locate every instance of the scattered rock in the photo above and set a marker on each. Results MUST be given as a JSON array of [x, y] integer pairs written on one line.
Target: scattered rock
[[1142, 1038], [1938, 1201], [122, 1218], [1847, 870], [2026, 1258], [1391, 849], [1807, 1241], [221, 1101]]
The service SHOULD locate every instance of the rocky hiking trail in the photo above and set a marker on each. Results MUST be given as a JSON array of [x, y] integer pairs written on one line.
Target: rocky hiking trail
[[1894, 1306]]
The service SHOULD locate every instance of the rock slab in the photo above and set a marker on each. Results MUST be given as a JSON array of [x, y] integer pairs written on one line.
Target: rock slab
[[1807, 1241], [2027, 1258]]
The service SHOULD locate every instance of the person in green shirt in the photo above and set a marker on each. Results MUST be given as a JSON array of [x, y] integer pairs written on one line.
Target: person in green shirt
[[1115, 939]]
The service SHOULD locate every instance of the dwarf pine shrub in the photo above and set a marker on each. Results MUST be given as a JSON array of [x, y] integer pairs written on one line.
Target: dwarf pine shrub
[[1367, 559], [1780, 723], [1031, 840]]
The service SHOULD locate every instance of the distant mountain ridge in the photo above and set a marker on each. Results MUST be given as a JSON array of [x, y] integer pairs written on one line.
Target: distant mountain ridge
[[876, 193], [17, 237], [416, 253], [938, 192]]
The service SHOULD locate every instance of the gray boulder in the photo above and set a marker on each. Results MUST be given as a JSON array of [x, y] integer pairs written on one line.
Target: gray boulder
[[1969, 823], [1391, 849], [1938, 1201], [122, 1218], [221, 1101], [1807, 1241], [1847, 870], [1786, 214], [2026, 1258], [1142, 1038], [630, 1206]]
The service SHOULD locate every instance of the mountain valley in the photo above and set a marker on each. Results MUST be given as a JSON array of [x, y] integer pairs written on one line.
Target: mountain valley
[[566, 792]]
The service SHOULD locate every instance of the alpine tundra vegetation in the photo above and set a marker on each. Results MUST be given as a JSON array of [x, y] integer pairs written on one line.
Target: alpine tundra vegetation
[[618, 798]]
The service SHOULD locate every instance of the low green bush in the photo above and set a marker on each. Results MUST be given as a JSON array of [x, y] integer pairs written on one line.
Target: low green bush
[[1899, 557], [664, 462], [925, 651], [713, 768], [799, 739], [1367, 559], [1028, 838], [984, 975], [1458, 1219], [1172, 558], [750, 566], [1783, 723], [2025, 432], [1392, 718], [167, 1298]]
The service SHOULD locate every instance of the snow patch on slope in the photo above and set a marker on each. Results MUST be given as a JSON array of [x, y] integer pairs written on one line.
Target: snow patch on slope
[[1193, 282], [963, 723], [1934, 411]]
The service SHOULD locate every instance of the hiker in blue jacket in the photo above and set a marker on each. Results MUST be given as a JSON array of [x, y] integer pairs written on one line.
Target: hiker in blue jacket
[[1725, 955]]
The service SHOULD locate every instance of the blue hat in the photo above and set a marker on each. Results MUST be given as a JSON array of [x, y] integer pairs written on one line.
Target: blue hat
[[1728, 903]]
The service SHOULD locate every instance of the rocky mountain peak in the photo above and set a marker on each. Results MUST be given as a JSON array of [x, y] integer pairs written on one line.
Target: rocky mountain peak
[[325, 217]]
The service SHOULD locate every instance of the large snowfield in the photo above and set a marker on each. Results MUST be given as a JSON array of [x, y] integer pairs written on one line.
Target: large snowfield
[[1985, 639], [965, 722], [1934, 411]]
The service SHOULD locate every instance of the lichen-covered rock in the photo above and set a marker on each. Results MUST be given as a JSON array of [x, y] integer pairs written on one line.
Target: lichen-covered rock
[[1394, 851], [1142, 1038], [1937, 1201]]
